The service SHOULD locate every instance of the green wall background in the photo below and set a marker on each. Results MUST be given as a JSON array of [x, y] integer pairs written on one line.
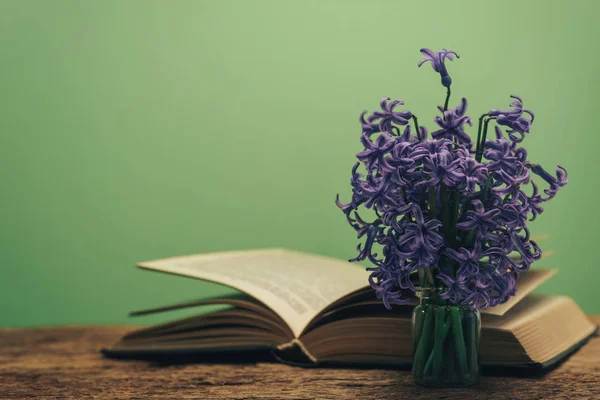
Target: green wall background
[[134, 130]]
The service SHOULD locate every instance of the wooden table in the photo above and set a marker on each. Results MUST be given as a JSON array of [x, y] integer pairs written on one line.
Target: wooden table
[[53, 363]]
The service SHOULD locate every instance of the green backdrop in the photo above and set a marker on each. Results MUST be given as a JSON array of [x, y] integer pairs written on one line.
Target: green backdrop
[[134, 130]]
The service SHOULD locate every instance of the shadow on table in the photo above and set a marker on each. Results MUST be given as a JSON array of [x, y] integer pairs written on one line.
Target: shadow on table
[[257, 356], [191, 357]]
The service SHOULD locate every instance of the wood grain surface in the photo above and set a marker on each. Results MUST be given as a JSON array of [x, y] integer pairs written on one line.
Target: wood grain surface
[[49, 363]]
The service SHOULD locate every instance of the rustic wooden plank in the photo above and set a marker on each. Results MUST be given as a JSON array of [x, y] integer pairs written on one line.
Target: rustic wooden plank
[[50, 363]]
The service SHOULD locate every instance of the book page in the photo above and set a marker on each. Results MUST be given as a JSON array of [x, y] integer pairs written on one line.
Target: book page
[[545, 325], [296, 286], [527, 282]]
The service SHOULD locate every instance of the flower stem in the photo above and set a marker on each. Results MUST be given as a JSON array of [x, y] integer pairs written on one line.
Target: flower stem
[[423, 346], [421, 274], [459, 339], [418, 326], [479, 126], [482, 143], [438, 347], [414, 117], [450, 363], [447, 326], [447, 99], [470, 239], [430, 277], [472, 339]]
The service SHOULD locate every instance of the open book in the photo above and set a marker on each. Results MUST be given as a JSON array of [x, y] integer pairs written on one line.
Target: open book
[[313, 310]]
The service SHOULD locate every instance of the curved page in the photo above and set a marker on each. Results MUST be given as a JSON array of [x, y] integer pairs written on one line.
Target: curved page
[[297, 286]]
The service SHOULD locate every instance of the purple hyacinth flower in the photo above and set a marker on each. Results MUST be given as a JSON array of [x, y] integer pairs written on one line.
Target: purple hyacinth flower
[[394, 219], [452, 127], [460, 109], [388, 117], [479, 218], [504, 286], [375, 152], [534, 202], [420, 239], [405, 187], [528, 249], [457, 289], [386, 289], [366, 249], [439, 170], [407, 137], [500, 239], [369, 126], [512, 214], [357, 196], [346, 208], [468, 260], [479, 296], [499, 259], [434, 149], [475, 173], [514, 119], [372, 233], [513, 183], [402, 155], [438, 62], [555, 183], [405, 280], [374, 188], [500, 154]]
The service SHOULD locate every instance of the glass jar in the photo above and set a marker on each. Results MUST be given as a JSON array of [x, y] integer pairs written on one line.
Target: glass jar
[[445, 342]]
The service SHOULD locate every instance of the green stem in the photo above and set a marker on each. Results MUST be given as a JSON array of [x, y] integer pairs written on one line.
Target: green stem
[[479, 126], [450, 364], [470, 239], [459, 339], [421, 273], [430, 277], [447, 326], [414, 117], [482, 143], [472, 341], [418, 326], [423, 346], [447, 99], [438, 347], [428, 364]]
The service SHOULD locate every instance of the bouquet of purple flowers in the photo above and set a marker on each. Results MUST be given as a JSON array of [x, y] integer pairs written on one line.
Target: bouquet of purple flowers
[[450, 214]]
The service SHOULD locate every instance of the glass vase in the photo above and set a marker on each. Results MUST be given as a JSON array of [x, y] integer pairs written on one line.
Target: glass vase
[[445, 342]]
